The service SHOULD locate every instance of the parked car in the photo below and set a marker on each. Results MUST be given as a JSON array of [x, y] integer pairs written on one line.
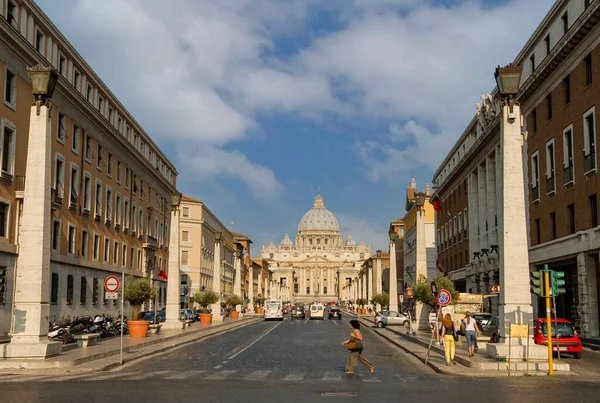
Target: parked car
[[149, 315], [298, 313], [390, 318], [568, 340], [491, 329], [335, 313], [482, 319]]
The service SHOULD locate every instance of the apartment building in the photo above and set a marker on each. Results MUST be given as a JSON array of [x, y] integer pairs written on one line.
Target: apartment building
[[557, 97], [200, 229], [110, 181], [559, 92], [396, 256]]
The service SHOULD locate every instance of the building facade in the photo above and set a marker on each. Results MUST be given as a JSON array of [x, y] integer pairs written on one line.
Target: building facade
[[396, 255], [419, 242], [198, 243], [110, 182], [319, 265], [559, 92]]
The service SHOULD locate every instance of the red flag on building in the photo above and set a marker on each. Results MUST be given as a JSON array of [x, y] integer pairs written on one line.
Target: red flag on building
[[437, 205], [162, 274], [440, 268]]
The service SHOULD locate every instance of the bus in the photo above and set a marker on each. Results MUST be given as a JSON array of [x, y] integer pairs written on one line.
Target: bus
[[273, 309]]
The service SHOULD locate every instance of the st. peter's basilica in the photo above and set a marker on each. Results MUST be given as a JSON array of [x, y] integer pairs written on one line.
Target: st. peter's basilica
[[311, 268]]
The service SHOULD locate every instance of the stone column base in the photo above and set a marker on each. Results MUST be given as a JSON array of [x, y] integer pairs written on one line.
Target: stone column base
[[31, 350], [173, 324], [518, 350]]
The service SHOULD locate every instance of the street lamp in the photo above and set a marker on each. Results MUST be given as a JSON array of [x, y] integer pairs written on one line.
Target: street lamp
[[43, 81], [175, 200], [508, 79]]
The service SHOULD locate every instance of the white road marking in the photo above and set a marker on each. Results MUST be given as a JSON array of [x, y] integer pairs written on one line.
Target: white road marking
[[332, 376], [257, 375], [334, 322], [220, 375], [185, 375], [305, 322], [295, 376], [146, 375], [254, 342], [218, 366], [107, 376]]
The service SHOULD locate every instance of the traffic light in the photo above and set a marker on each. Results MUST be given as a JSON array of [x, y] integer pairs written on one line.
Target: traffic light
[[556, 282], [536, 282]]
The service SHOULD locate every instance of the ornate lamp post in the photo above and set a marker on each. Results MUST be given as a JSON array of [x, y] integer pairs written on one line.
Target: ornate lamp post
[[31, 304], [515, 297], [174, 273]]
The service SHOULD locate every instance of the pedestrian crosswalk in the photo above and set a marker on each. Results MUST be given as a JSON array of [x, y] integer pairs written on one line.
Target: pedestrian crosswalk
[[217, 375]]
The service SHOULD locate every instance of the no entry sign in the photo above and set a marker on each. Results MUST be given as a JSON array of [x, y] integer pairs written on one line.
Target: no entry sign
[[111, 284], [444, 298]]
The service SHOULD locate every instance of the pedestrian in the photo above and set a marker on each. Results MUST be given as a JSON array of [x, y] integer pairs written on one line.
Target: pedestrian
[[356, 345], [472, 331], [449, 336]]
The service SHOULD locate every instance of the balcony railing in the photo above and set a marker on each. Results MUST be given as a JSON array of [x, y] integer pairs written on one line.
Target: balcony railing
[[589, 162], [568, 174], [550, 184], [535, 193], [57, 193]]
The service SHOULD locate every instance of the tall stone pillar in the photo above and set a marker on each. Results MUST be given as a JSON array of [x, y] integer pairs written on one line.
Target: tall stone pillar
[[588, 296], [515, 296], [379, 280], [421, 313], [370, 284], [393, 278], [174, 280], [251, 289], [473, 213], [32, 283], [216, 285], [490, 167], [483, 219], [237, 284]]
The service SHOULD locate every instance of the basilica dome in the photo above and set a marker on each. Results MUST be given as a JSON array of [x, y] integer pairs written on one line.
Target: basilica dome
[[318, 218]]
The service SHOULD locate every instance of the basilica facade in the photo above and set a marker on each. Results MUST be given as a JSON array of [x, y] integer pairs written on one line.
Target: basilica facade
[[319, 265]]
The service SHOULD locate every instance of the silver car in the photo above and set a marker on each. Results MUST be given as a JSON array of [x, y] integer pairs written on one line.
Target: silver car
[[390, 318]]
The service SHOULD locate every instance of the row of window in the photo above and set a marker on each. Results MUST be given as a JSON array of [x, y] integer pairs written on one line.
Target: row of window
[[589, 157], [81, 83], [453, 231], [121, 255], [456, 262], [83, 291]]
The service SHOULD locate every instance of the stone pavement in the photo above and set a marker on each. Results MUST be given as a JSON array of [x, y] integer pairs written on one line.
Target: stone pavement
[[480, 365], [106, 353]]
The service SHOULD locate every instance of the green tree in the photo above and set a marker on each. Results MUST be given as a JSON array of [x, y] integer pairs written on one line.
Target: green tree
[[422, 290], [206, 298], [382, 299], [233, 300], [137, 292]]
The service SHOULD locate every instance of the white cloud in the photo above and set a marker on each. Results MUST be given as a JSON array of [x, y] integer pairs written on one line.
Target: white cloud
[[364, 229]]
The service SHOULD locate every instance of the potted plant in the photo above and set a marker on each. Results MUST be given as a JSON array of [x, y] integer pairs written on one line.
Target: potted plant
[[137, 292], [382, 299], [232, 301], [204, 299], [258, 304]]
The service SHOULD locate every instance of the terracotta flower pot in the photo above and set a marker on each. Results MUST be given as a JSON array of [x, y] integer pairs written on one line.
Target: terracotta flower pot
[[205, 318], [234, 314], [138, 329], [259, 310]]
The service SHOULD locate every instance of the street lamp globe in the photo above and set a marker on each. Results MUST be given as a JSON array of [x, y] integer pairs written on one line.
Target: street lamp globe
[[508, 79], [175, 199]]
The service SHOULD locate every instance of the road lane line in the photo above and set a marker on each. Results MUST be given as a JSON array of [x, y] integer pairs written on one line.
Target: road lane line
[[258, 375], [332, 377], [217, 367], [306, 321], [184, 375], [254, 342], [220, 375], [334, 322], [295, 376]]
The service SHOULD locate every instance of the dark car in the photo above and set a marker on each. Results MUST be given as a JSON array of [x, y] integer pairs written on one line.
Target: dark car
[[335, 313], [149, 315], [299, 313]]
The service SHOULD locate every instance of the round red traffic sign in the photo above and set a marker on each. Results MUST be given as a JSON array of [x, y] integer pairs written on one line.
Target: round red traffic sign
[[444, 298], [111, 284]]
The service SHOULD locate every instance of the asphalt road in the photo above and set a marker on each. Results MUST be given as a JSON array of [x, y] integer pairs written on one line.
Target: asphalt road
[[289, 361]]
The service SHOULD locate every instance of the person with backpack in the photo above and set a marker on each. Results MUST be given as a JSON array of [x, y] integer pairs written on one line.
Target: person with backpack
[[356, 346], [450, 336]]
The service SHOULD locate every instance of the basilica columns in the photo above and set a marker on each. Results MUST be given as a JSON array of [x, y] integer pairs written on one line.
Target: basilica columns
[[216, 287]]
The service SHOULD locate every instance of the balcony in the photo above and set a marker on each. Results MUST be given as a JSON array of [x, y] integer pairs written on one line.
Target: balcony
[[550, 185], [98, 214], [73, 200], [57, 194], [535, 193], [589, 162], [108, 217], [568, 175], [150, 242]]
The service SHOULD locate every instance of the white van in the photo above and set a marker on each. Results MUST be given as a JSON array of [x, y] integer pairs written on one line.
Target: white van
[[317, 311]]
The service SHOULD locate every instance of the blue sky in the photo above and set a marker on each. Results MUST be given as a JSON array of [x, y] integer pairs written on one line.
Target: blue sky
[[260, 102]]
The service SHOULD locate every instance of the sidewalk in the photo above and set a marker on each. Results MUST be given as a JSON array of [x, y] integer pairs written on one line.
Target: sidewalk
[[106, 353], [480, 365]]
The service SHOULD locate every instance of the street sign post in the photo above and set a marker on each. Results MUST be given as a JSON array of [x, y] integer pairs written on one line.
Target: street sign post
[[444, 298], [111, 295], [409, 293], [111, 284], [494, 289]]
